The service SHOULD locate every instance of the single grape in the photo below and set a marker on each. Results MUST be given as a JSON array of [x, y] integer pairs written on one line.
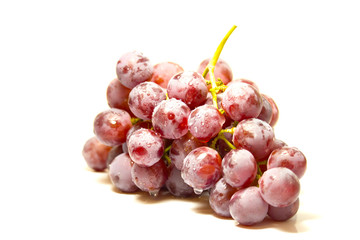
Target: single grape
[[120, 173], [283, 213], [95, 154], [176, 185], [114, 152], [239, 168], [275, 110], [137, 126], [276, 144], [254, 135], [219, 198], [247, 206], [170, 118], [189, 87], [205, 122], [289, 157], [145, 147], [133, 68], [201, 169], [111, 126], [181, 147], [150, 179], [241, 101], [163, 72], [144, 98], [279, 186], [117, 95], [266, 111], [222, 70]]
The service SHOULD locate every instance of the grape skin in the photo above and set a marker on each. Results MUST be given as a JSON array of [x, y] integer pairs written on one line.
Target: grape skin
[[181, 147], [254, 135], [133, 68], [120, 173], [289, 157], [283, 213], [170, 118], [279, 186], [111, 126], [239, 168], [241, 101], [144, 98], [114, 152], [275, 110], [95, 154], [202, 168], [117, 95], [266, 111], [176, 185], [145, 147], [219, 198], [247, 206], [189, 87], [163, 72], [150, 179], [205, 122]]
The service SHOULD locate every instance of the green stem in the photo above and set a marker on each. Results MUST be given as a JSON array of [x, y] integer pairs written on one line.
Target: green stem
[[211, 66], [222, 137]]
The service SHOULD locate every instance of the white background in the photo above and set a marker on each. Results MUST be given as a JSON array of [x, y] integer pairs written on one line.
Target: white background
[[57, 58]]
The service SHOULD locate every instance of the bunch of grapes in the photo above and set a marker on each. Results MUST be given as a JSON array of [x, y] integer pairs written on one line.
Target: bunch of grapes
[[196, 132]]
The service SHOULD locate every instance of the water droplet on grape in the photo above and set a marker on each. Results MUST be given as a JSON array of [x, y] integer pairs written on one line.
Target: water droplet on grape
[[154, 193], [198, 191]]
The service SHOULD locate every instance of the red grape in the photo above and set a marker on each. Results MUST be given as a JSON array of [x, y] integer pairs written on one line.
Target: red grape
[[117, 95], [266, 110], [289, 157], [133, 68], [95, 154], [111, 126], [205, 122], [219, 198], [202, 168], [239, 168], [254, 135], [275, 110], [279, 186], [222, 70], [170, 118], [241, 101], [145, 147], [120, 173], [176, 185], [189, 87], [163, 72], [283, 213], [144, 98], [247, 206]]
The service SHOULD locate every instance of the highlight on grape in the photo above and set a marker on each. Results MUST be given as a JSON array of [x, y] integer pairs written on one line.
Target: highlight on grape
[[193, 133]]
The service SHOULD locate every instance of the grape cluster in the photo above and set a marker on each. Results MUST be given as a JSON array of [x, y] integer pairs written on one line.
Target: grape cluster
[[196, 132]]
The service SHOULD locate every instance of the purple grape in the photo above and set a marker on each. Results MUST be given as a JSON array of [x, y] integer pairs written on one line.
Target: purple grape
[[170, 118], [111, 126], [279, 186], [219, 198], [254, 135], [120, 173], [243, 80], [283, 213], [201, 169], [145, 147], [95, 154], [247, 206], [241, 101], [239, 168], [133, 68], [189, 87], [289, 157], [144, 98], [150, 179], [181, 147], [275, 110], [176, 185], [117, 95], [205, 122], [163, 72]]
